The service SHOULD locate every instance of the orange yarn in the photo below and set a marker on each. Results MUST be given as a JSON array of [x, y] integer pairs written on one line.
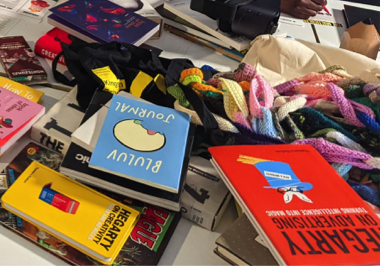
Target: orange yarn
[[191, 71], [245, 85], [325, 77]]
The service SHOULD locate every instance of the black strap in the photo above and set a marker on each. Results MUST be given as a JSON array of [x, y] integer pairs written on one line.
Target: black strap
[[59, 76]]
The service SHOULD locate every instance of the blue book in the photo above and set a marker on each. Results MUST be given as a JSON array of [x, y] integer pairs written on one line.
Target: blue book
[[142, 142], [102, 21]]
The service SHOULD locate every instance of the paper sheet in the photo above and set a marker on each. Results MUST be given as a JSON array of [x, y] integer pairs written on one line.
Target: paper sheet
[[29, 10]]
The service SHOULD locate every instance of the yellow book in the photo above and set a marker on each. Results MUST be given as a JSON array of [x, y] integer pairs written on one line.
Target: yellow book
[[21, 89], [83, 218]]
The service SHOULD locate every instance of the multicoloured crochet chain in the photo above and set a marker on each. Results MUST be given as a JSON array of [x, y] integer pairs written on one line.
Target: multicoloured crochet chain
[[336, 113]]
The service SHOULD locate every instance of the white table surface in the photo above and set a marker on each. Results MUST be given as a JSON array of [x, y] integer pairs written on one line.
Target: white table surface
[[190, 244]]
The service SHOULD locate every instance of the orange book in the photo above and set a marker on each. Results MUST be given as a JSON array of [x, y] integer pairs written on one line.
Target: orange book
[[305, 212]]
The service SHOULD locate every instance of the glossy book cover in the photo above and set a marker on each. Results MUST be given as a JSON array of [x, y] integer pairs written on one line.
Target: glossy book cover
[[15, 111], [306, 213], [77, 215], [143, 142], [105, 20]]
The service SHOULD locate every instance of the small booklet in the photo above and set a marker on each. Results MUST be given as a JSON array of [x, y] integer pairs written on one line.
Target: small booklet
[[20, 62]]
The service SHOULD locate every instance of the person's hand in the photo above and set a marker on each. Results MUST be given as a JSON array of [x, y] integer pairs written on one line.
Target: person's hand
[[302, 8]]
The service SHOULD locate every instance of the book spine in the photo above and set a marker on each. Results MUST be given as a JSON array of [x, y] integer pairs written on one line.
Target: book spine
[[42, 48]]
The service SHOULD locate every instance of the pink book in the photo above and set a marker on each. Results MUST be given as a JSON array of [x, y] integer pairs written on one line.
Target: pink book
[[15, 111]]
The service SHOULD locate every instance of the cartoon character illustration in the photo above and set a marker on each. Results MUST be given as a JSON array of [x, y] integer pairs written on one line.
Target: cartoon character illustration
[[133, 135], [45, 157], [5, 122], [280, 176], [38, 6]]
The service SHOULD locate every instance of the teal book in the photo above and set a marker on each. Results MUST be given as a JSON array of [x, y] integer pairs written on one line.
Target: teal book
[[142, 142]]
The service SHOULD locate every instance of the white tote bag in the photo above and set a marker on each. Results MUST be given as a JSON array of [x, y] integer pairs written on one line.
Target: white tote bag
[[279, 59]]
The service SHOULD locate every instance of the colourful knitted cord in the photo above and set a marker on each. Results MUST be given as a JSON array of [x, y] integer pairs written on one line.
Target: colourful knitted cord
[[207, 67], [178, 94], [239, 118], [248, 136], [346, 83], [289, 107], [244, 72], [322, 132], [260, 92], [265, 125], [369, 123], [325, 77], [375, 95], [234, 99], [296, 132], [342, 169], [365, 192], [375, 107], [332, 68], [353, 91], [337, 154], [287, 86], [345, 141], [314, 121], [277, 125], [345, 106]]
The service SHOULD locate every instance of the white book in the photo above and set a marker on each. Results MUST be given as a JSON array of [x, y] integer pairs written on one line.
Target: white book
[[87, 134], [54, 129], [181, 8]]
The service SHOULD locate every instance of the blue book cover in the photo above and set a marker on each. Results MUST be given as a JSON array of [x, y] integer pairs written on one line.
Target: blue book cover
[[105, 20], [142, 142]]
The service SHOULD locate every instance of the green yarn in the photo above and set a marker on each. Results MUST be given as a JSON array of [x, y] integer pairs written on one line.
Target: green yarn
[[322, 132], [191, 78], [332, 68], [310, 121], [277, 125], [178, 94], [353, 91]]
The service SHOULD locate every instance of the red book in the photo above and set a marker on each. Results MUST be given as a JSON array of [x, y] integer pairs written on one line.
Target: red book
[[306, 213], [49, 45]]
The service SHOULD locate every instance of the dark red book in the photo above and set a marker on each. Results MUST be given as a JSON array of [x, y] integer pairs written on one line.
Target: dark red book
[[49, 44], [20, 62], [306, 213]]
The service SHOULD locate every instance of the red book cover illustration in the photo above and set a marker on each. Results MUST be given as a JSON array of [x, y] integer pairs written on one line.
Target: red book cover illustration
[[304, 210], [49, 44], [19, 60]]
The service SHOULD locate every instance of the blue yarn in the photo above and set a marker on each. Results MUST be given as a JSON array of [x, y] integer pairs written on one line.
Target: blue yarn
[[369, 123], [207, 67], [342, 169], [365, 192], [265, 125]]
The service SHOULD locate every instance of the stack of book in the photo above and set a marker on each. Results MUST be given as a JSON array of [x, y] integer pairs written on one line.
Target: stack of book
[[142, 245], [19, 111], [132, 147], [104, 21], [196, 27]]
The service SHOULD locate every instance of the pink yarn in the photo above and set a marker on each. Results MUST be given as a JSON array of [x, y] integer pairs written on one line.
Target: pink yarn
[[239, 118], [334, 153], [213, 82], [246, 72], [260, 90], [362, 108], [287, 86], [344, 105]]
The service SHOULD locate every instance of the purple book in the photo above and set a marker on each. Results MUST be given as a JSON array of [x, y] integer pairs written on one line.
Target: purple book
[[102, 21]]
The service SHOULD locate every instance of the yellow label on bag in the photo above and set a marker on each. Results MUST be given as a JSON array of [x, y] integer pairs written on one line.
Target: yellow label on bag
[[139, 83], [111, 83]]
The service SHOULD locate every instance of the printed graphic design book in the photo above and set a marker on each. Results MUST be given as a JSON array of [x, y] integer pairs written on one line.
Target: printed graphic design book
[[306, 213], [143, 142], [102, 21], [77, 215]]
